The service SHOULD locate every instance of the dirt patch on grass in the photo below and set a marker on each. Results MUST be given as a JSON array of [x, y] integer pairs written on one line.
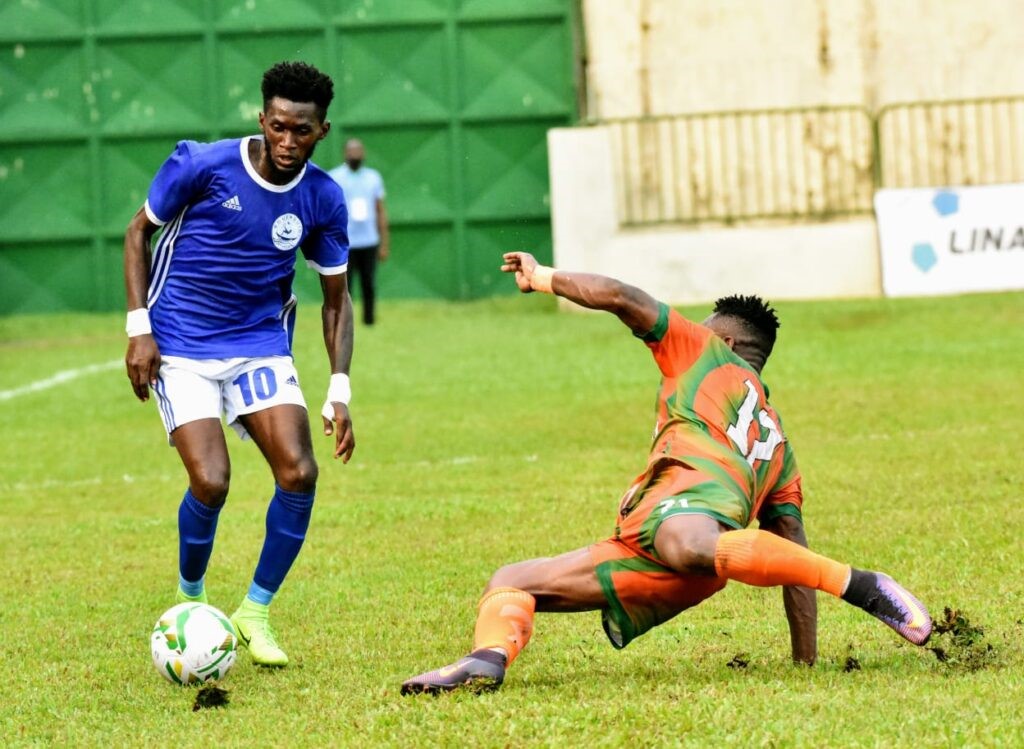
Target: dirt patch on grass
[[959, 643], [210, 696], [740, 660], [852, 662]]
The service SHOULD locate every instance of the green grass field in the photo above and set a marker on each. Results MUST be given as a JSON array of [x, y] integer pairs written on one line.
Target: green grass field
[[500, 430]]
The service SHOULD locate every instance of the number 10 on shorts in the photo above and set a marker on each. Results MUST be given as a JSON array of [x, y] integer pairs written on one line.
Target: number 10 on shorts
[[260, 383]]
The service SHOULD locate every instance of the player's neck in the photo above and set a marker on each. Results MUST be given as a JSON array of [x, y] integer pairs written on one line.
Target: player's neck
[[259, 157]]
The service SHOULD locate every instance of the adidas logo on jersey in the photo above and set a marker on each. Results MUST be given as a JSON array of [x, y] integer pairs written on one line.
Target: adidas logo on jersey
[[291, 381], [232, 203]]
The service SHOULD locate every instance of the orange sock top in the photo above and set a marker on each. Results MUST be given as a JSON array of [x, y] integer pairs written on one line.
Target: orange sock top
[[504, 620], [761, 558]]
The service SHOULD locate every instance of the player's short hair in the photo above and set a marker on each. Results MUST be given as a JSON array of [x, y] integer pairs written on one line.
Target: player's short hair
[[758, 318], [298, 81]]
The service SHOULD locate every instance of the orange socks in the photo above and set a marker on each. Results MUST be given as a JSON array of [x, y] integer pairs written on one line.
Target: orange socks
[[764, 559], [504, 620]]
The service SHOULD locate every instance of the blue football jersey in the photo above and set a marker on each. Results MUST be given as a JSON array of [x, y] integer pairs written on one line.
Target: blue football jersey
[[222, 271]]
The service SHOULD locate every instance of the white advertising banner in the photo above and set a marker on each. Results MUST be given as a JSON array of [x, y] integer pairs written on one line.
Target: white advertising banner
[[951, 240]]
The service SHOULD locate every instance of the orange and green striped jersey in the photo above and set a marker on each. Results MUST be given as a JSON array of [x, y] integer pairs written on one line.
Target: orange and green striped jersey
[[714, 416]]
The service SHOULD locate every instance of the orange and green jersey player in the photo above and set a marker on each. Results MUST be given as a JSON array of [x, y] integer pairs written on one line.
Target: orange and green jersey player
[[713, 416], [718, 450]]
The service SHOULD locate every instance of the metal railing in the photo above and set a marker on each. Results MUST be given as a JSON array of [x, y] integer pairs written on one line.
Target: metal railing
[[963, 142], [808, 163], [744, 165]]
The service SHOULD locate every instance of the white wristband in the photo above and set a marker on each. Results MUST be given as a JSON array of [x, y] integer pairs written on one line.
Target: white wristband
[[541, 279], [137, 323], [339, 391]]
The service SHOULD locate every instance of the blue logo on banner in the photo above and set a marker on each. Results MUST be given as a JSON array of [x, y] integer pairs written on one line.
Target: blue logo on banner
[[946, 203], [924, 256]]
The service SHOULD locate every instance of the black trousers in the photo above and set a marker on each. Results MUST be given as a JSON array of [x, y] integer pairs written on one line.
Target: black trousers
[[363, 262]]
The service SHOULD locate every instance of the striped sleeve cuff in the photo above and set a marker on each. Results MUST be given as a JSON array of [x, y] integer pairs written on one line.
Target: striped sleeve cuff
[[772, 512], [152, 216], [655, 334], [335, 270]]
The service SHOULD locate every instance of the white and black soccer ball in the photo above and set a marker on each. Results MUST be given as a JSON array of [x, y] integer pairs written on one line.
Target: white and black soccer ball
[[193, 643]]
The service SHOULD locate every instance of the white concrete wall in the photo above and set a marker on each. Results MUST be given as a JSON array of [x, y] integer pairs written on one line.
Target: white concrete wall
[[681, 265], [947, 49], [680, 56], [651, 57]]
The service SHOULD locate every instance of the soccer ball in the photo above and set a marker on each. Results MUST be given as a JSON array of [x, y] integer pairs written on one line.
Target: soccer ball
[[193, 643]]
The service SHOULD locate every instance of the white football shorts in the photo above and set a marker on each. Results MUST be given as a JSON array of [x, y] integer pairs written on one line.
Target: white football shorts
[[191, 389]]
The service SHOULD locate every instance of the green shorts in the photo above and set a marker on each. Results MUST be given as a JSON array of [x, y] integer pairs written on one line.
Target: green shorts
[[642, 592]]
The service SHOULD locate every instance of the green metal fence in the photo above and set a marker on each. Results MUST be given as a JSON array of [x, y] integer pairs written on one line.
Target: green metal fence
[[453, 99]]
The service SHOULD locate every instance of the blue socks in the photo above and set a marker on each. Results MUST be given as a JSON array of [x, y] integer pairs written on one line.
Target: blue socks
[[287, 521], [259, 594], [192, 589], [197, 526]]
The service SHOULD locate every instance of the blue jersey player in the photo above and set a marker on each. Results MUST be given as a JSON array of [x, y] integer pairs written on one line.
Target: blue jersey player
[[211, 313]]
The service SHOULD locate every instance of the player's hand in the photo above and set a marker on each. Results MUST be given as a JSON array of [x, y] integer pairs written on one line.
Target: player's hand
[[523, 265], [338, 422], [383, 252], [143, 363]]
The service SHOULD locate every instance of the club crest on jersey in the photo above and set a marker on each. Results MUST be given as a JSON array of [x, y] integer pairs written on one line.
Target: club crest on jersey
[[286, 231]]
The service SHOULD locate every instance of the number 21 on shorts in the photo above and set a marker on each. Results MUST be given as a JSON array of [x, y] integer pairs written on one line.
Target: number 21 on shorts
[[259, 384]]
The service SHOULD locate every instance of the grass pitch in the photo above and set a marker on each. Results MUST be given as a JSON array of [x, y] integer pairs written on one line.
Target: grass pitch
[[501, 430]]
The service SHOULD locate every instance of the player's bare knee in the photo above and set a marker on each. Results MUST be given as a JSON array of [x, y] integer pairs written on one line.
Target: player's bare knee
[[686, 549], [505, 577], [210, 486], [299, 475], [512, 576]]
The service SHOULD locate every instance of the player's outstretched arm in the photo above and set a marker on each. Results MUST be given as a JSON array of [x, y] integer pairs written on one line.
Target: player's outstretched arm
[[801, 603], [143, 357], [338, 337], [635, 307]]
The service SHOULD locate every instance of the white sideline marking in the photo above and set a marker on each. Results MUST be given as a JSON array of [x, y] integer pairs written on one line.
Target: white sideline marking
[[60, 378], [35, 486]]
